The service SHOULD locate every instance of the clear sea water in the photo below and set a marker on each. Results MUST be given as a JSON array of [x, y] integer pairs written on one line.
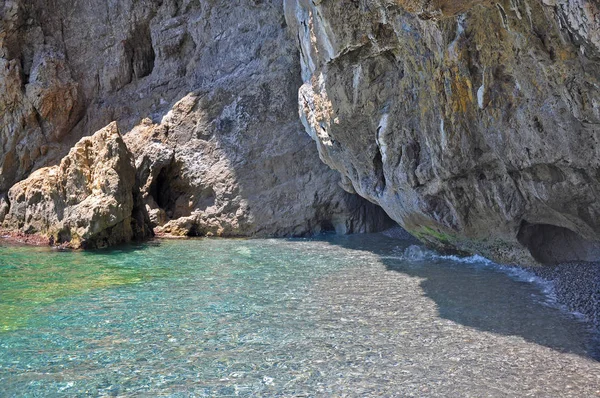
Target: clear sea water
[[335, 316]]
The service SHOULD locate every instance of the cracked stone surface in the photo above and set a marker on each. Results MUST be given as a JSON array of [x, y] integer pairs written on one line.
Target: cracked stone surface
[[204, 93], [90, 200], [475, 125]]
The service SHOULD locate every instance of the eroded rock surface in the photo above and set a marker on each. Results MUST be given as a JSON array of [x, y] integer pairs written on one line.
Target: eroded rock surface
[[90, 200], [205, 94], [475, 125], [200, 180]]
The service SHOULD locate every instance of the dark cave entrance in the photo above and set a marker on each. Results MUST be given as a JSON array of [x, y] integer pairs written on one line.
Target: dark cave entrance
[[327, 226], [167, 188], [173, 193], [551, 244], [161, 191]]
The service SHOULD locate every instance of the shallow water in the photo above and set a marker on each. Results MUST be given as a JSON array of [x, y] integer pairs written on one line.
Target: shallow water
[[337, 316]]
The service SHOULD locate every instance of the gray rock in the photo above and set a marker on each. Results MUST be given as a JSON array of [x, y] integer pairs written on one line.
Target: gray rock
[[475, 125], [205, 94]]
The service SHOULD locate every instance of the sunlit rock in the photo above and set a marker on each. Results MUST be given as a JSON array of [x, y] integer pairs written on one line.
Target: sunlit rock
[[475, 125], [90, 200]]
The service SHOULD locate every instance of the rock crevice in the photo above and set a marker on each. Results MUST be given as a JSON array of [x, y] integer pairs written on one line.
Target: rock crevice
[[205, 95]]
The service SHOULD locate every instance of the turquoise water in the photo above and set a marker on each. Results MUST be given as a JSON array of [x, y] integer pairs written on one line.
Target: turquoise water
[[335, 316]]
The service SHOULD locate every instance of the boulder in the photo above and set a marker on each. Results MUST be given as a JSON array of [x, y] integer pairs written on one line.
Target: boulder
[[90, 200]]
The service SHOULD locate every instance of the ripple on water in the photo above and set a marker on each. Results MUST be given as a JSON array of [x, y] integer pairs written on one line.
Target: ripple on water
[[336, 316]]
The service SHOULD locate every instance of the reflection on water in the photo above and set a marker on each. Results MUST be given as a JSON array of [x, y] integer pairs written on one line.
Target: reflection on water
[[337, 316]]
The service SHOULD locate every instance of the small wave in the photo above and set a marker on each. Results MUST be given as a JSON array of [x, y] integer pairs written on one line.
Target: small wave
[[523, 275], [415, 253], [419, 253]]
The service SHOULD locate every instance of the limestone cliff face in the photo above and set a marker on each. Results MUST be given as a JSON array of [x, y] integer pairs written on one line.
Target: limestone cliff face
[[474, 124], [90, 200], [204, 93]]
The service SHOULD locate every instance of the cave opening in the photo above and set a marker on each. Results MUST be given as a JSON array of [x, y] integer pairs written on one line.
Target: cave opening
[[327, 226], [64, 236], [141, 52], [196, 231], [165, 192], [551, 244], [161, 190]]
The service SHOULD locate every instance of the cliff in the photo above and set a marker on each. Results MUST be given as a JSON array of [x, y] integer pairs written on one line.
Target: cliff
[[204, 94], [474, 124]]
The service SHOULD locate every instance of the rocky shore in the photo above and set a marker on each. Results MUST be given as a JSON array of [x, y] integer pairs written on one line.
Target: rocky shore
[[475, 125], [576, 286], [21, 238], [204, 96]]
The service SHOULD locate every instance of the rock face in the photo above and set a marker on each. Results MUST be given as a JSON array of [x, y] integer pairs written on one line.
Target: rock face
[[205, 95], [474, 124], [90, 200], [197, 180], [40, 102]]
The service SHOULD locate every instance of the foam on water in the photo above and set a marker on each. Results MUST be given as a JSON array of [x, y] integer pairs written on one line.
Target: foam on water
[[416, 253]]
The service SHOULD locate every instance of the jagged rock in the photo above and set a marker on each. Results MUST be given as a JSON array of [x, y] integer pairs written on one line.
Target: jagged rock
[[475, 125], [436, 9], [243, 167], [40, 102], [90, 200], [198, 179]]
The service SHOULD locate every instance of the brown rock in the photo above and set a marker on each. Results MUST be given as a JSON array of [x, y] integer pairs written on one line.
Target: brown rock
[[436, 9], [90, 200]]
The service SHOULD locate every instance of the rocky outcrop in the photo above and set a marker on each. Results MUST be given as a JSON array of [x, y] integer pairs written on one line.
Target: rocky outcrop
[[205, 95], [90, 200], [198, 180], [474, 124]]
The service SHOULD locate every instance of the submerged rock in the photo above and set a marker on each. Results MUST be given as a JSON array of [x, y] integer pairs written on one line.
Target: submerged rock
[[90, 200], [475, 125]]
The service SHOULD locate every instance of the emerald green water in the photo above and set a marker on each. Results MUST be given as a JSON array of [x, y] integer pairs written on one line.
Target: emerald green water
[[334, 316]]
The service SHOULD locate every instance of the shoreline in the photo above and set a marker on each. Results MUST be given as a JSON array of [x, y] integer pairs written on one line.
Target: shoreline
[[576, 285], [20, 238]]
